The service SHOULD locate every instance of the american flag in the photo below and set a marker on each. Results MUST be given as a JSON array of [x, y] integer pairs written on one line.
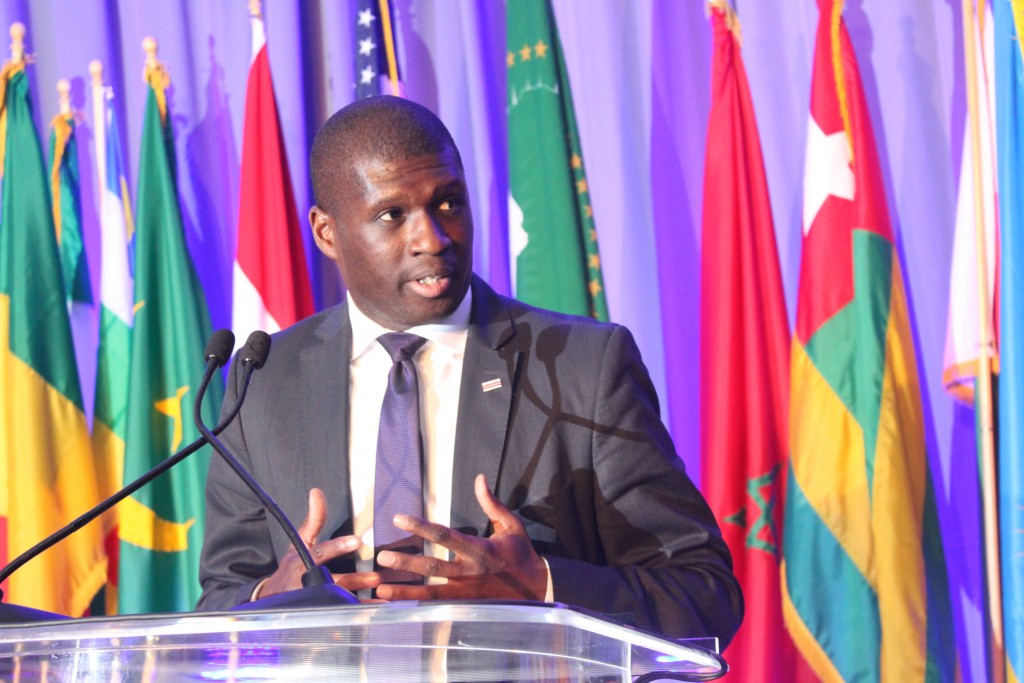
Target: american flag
[[376, 60]]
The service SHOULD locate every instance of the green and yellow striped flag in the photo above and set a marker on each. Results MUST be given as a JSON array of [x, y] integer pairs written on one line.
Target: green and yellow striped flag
[[67, 207], [46, 469], [161, 526], [865, 595], [113, 357], [552, 240]]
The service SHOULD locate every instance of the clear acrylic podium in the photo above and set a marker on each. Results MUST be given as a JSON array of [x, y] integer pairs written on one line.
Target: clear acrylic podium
[[402, 641]]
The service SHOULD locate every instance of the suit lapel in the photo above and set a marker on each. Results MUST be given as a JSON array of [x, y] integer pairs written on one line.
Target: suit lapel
[[484, 405], [325, 370]]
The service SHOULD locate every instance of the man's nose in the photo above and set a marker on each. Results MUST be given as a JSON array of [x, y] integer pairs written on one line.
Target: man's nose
[[429, 235]]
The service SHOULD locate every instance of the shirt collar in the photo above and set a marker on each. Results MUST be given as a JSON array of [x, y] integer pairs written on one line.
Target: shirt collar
[[450, 331]]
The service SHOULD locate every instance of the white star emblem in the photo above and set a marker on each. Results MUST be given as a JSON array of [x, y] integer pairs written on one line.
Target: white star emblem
[[366, 75], [366, 17], [826, 170], [366, 46]]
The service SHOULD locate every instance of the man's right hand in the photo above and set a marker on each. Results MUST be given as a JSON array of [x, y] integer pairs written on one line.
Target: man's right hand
[[288, 575]]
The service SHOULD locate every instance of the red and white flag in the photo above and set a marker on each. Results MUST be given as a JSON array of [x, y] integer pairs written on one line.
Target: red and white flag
[[271, 282]]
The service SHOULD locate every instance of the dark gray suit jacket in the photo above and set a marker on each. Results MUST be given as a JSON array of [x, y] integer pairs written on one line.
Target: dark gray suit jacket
[[572, 442]]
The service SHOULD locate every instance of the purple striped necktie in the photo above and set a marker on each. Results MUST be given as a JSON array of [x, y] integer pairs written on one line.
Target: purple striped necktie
[[398, 482]]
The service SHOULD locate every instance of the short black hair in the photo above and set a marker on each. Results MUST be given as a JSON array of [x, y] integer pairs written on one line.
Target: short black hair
[[379, 128]]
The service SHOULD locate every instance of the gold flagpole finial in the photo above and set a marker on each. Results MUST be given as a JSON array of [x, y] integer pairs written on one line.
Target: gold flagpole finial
[[732, 20], [96, 71], [256, 9], [64, 96], [155, 75], [149, 47], [17, 42]]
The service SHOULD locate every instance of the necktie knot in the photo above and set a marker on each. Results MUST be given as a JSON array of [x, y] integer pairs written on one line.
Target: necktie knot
[[401, 345]]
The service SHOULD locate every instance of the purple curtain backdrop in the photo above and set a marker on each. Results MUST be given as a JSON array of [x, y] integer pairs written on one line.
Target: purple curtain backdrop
[[640, 78]]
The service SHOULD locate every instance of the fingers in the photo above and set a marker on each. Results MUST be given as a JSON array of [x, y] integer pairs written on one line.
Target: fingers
[[332, 548], [391, 591], [459, 543], [315, 517], [501, 517], [358, 581], [424, 565]]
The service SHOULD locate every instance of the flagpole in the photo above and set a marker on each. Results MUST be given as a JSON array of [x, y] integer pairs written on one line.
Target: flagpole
[[983, 383]]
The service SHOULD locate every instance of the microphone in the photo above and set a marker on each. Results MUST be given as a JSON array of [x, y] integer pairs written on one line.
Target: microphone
[[218, 350], [318, 587]]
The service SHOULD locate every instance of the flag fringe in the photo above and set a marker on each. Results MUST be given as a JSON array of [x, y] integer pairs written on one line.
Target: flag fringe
[[62, 133], [837, 67]]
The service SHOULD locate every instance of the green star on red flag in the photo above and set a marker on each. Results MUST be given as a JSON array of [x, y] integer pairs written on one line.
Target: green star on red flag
[[763, 533]]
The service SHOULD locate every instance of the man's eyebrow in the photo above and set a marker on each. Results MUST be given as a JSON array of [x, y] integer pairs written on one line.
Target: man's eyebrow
[[389, 198], [455, 183]]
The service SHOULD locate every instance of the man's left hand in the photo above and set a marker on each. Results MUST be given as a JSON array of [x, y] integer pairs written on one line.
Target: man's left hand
[[502, 566]]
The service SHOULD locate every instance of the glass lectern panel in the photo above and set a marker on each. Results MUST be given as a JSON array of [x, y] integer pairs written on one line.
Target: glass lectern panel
[[402, 641]]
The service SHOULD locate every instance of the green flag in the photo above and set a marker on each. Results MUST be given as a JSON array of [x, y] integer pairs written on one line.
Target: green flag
[[113, 356], [161, 526], [46, 468], [67, 208], [552, 240]]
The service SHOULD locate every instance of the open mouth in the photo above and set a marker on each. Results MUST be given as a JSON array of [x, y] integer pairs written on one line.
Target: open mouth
[[432, 286], [431, 280]]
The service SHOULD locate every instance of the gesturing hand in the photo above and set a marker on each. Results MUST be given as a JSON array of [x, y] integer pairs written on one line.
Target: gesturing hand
[[288, 575], [503, 566]]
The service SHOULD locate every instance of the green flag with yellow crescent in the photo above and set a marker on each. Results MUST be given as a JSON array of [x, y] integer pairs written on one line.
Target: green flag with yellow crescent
[[161, 526], [46, 469], [552, 237]]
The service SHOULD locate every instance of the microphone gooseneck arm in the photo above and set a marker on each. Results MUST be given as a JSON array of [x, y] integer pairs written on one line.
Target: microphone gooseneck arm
[[163, 466], [314, 575]]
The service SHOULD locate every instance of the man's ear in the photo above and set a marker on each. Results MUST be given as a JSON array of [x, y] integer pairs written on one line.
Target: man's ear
[[323, 231]]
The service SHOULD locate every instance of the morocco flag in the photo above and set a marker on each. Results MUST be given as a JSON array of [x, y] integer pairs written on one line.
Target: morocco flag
[[744, 363]]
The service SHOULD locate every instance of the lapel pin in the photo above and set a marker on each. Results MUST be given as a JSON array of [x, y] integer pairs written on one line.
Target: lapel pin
[[491, 384]]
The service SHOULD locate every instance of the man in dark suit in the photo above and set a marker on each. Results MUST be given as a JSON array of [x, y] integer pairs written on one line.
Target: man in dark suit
[[555, 414]]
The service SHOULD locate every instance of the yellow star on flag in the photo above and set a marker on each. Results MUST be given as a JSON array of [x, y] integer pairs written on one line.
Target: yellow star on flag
[[171, 407], [589, 210], [576, 161], [540, 49], [594, 261], [524, 54], [592, 234], [511, 58], [595, 288], [581, 185]]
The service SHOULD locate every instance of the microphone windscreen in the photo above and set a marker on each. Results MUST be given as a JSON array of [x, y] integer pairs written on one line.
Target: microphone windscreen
[[257, 348], [219, 348]]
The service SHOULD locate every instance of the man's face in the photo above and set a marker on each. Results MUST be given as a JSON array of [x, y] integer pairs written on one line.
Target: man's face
[[402, 236]]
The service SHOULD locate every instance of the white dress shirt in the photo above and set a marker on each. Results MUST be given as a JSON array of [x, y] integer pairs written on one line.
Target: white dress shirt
[[439, 366]]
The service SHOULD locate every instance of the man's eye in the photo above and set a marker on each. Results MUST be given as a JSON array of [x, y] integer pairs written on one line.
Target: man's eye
[[391, 215], [450, 205]]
